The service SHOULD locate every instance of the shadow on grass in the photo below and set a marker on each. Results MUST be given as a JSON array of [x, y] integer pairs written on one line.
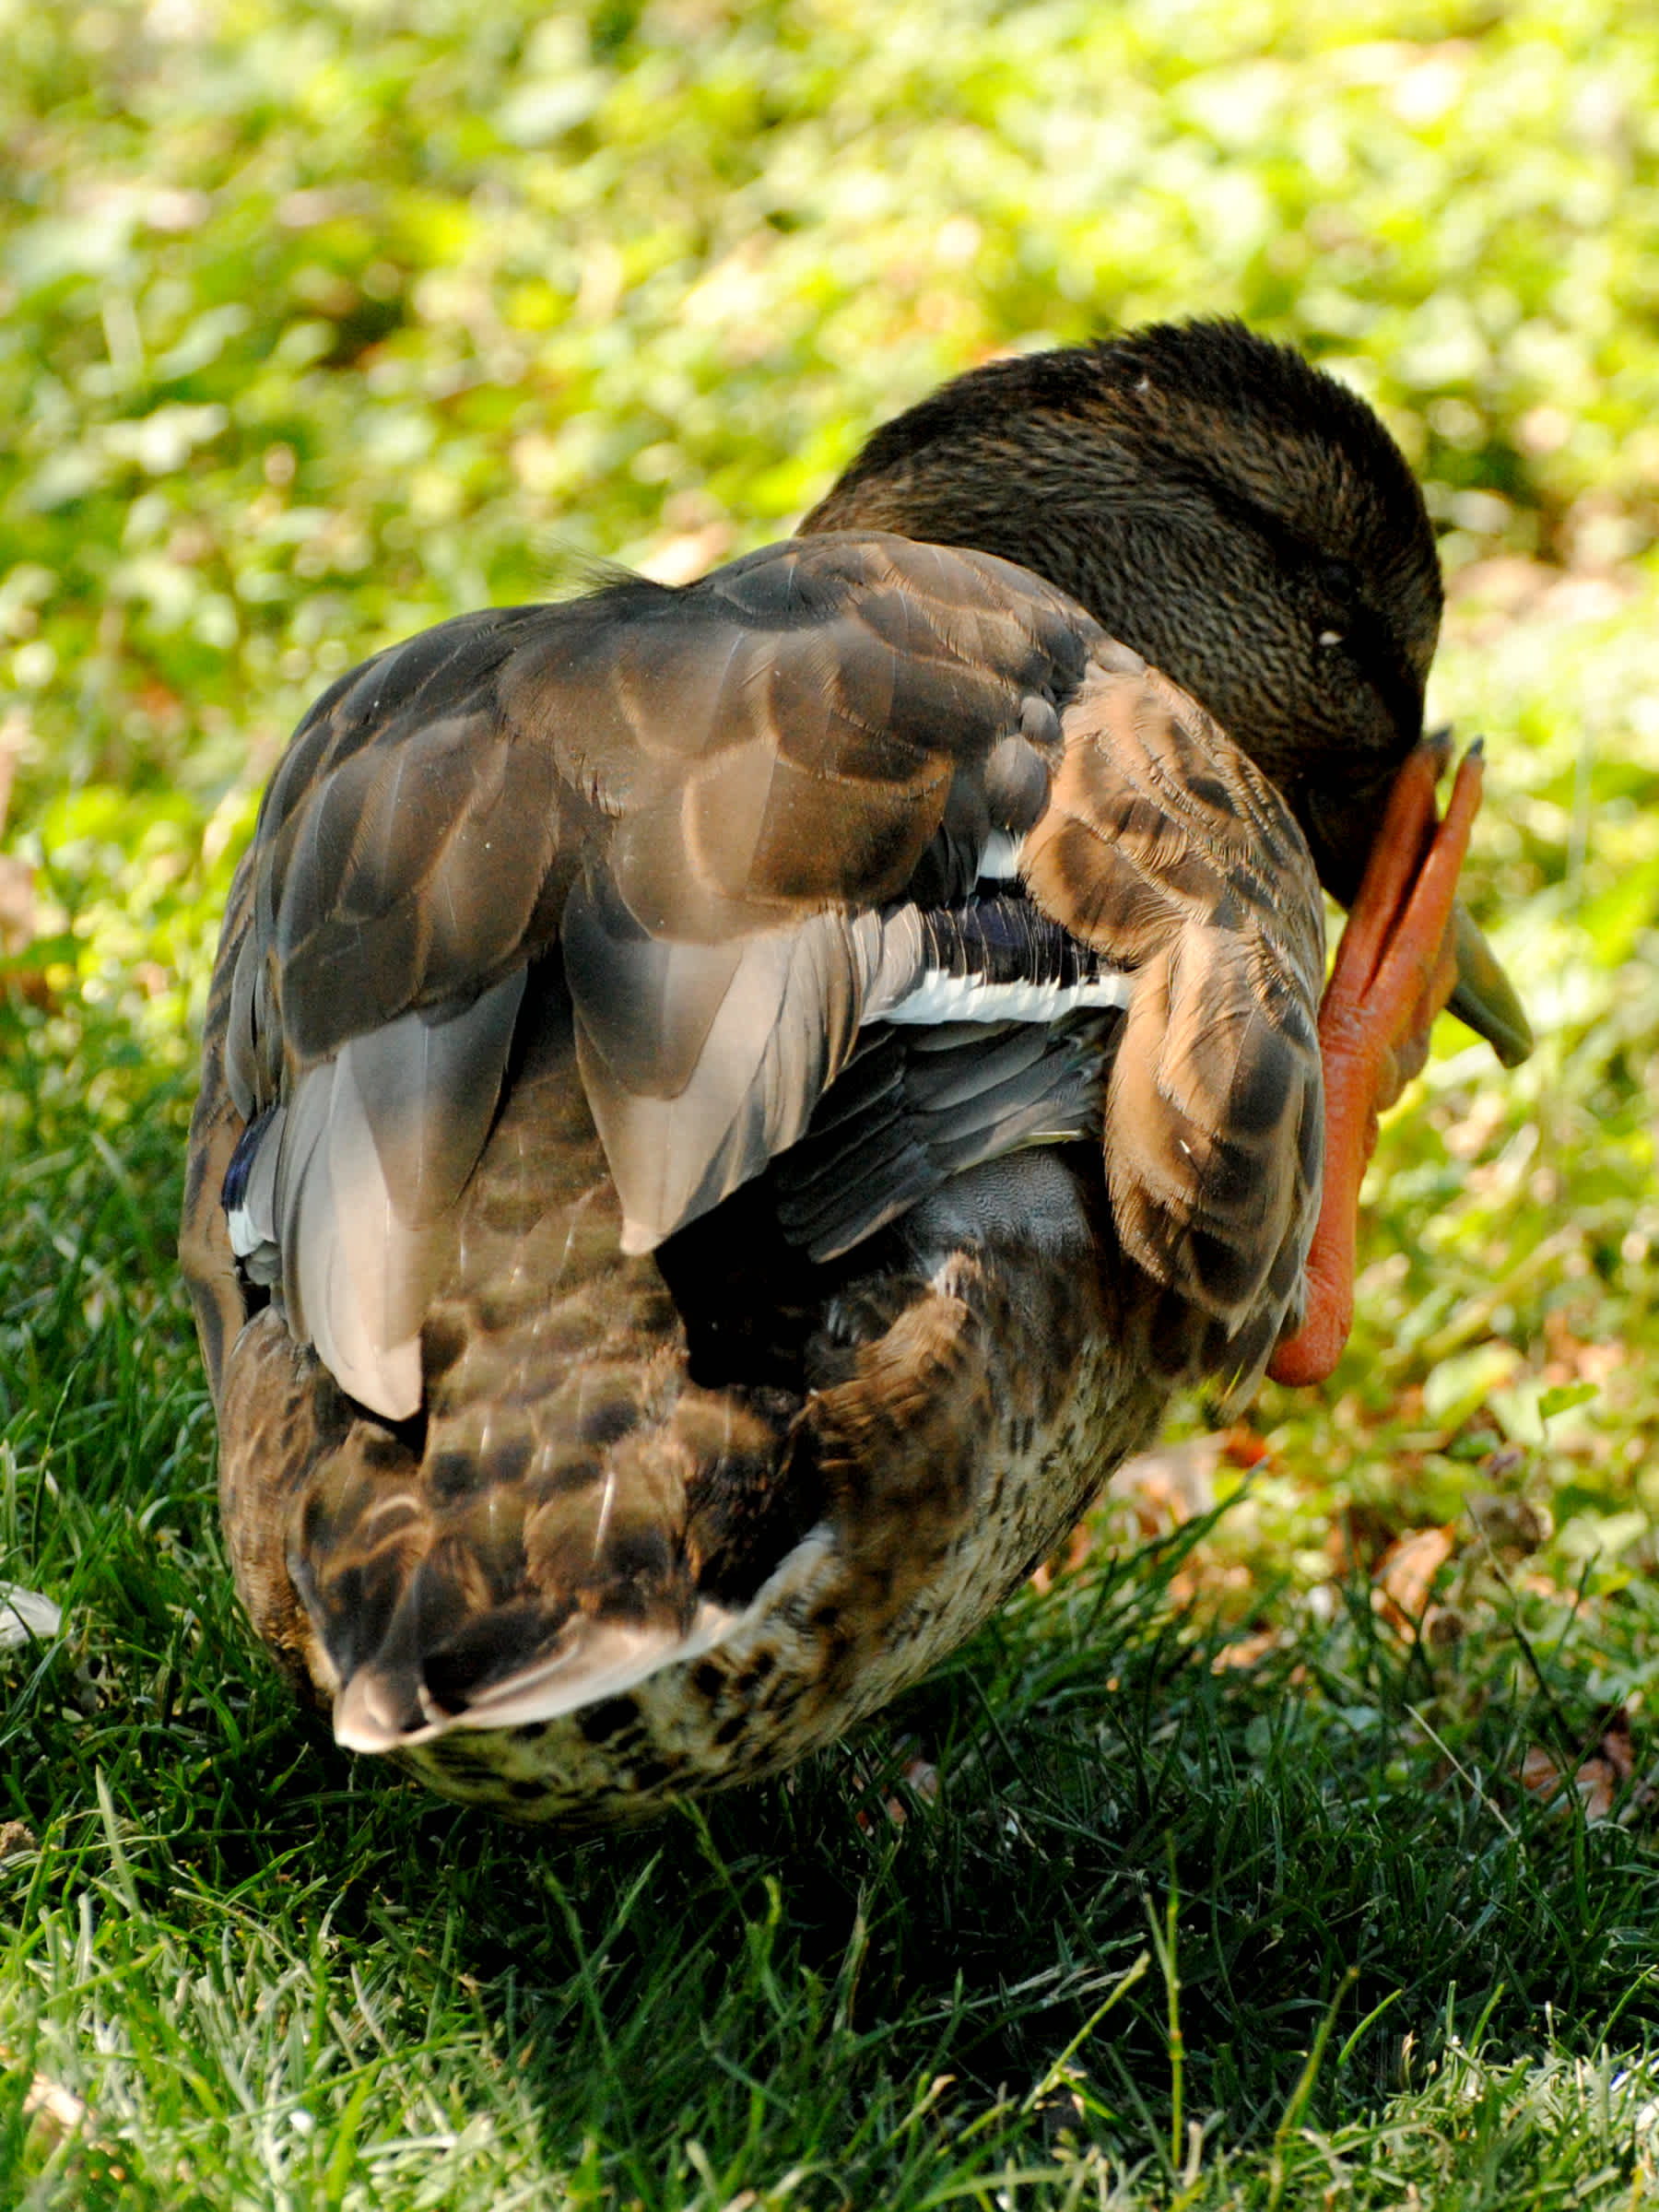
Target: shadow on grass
[[790, 1977]]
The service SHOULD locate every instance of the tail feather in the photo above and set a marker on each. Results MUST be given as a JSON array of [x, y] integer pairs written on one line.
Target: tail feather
[[531, 1542]]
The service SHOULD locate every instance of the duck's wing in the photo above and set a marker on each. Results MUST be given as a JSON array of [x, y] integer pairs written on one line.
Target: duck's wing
[[711, 802], [742, 813], [1165, 878], [1165, 848]]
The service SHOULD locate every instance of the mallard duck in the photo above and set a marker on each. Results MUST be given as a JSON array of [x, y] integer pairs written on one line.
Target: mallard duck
[[727, 1110]]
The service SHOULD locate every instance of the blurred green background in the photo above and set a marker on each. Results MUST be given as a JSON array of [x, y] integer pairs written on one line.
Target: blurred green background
[[319, 322]]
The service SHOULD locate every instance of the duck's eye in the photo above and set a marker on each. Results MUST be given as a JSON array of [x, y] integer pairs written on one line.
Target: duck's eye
[[1330, 637]]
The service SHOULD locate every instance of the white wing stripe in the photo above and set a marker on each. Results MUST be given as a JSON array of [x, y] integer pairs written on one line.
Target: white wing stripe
[[942, 997]]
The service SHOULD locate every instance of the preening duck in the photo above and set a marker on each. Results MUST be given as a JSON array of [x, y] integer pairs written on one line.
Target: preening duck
[[727, 1110]]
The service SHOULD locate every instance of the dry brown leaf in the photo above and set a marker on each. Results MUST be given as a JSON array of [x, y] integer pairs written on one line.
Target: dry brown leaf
[[921, 1777], [1245, 1651], [1599, 1781], [1405, 1576], [1169, 1486], [1213, 1582], [1073, 1554], [1616, 1746]]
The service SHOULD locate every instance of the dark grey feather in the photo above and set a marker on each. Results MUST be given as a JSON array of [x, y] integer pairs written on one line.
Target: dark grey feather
[[926, 1105]]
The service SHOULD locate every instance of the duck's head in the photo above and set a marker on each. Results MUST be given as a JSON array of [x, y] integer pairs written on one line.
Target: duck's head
[[1237, 516]]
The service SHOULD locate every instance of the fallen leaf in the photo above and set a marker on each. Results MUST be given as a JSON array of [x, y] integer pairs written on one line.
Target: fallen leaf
[[1245, 1651], [1072, 1555], [1404, 1577], [921, 1778], [1598, 1780], [1169, 1486]]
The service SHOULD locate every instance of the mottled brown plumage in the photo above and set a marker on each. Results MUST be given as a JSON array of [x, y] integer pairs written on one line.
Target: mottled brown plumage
[[725, 1112]]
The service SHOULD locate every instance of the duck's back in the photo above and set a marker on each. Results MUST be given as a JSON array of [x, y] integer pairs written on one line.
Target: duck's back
[[724, 1113]]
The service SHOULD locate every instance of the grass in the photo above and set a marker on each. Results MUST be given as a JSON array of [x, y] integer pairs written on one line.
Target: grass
[[1295, 1846], [1153, 1882], [270, 1981]]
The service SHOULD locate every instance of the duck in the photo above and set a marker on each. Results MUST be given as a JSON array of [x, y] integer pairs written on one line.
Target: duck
[[728, 1110]]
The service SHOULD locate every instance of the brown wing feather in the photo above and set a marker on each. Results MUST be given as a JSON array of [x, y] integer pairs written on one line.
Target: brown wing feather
[[707, 791], [1164, 848]]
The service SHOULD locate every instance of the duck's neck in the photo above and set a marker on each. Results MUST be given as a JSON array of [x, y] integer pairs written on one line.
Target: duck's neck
[[1050, 503]]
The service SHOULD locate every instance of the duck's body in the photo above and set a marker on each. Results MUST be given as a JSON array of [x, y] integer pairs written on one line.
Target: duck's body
[[726, 1112]]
